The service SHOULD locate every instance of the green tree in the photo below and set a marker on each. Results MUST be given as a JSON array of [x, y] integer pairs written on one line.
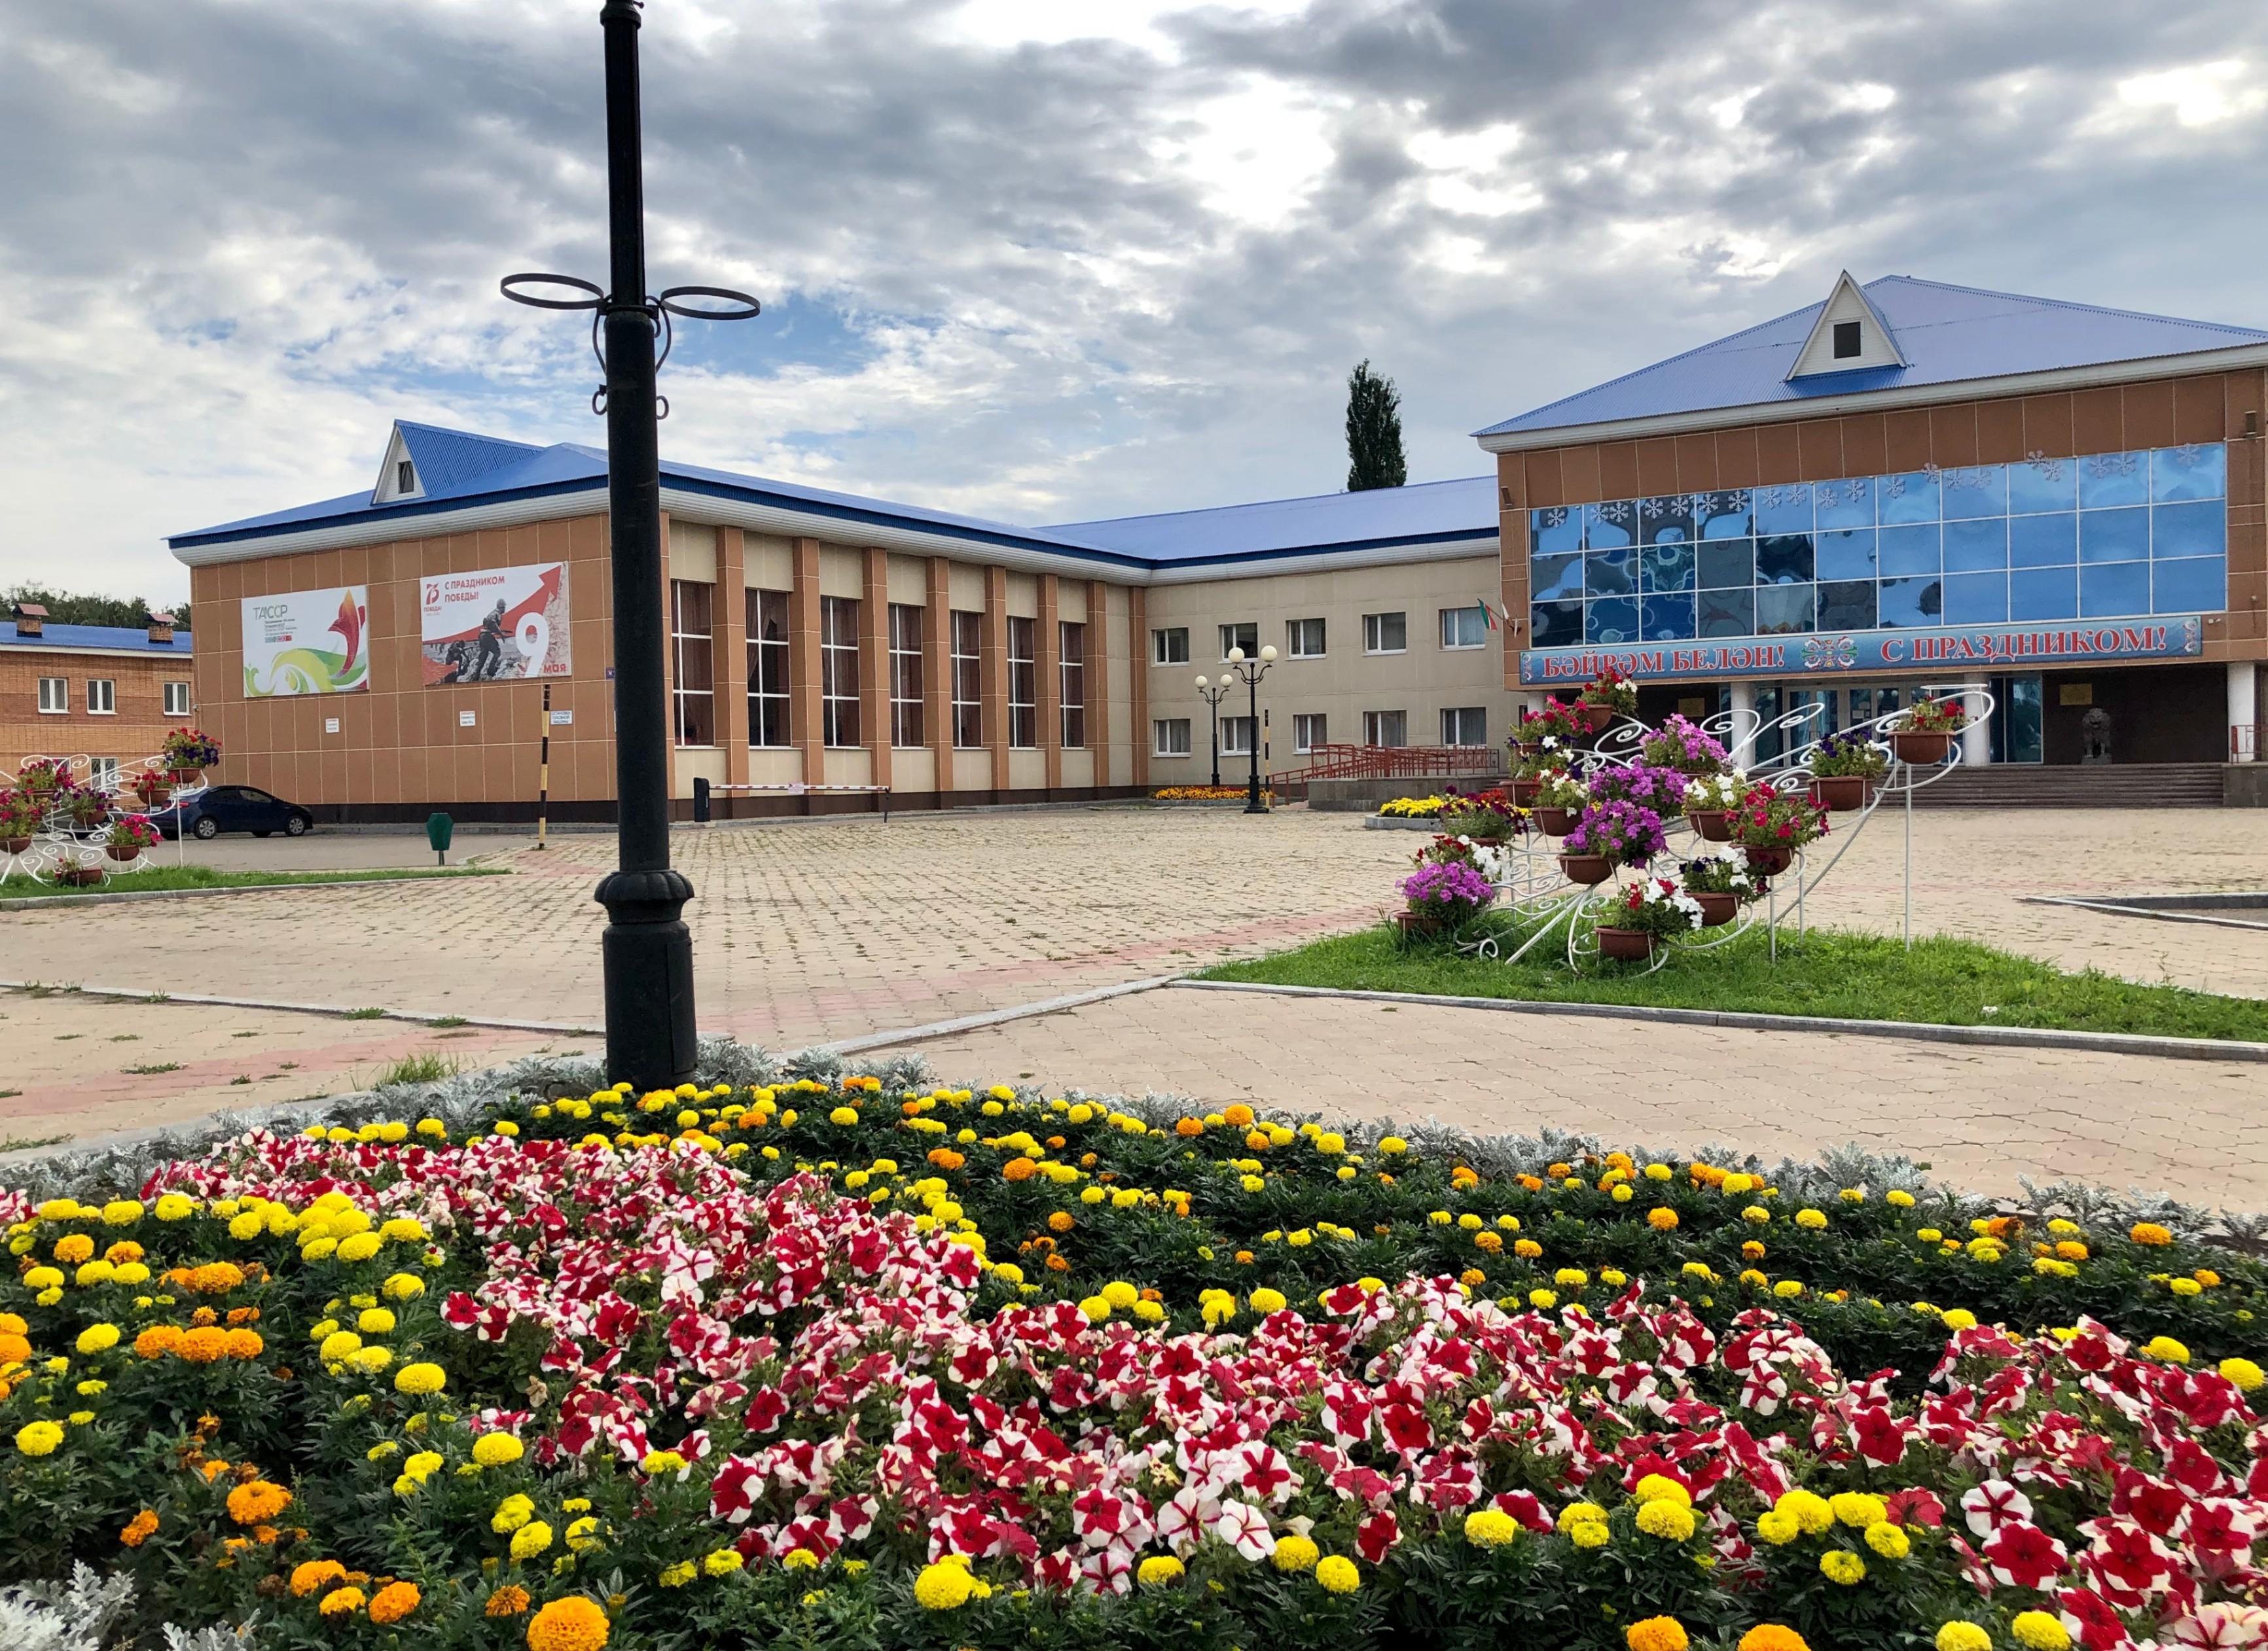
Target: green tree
[[66, 608], [1374, 432]]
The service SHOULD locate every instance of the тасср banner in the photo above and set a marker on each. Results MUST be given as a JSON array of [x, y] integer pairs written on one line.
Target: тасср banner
[[307, 641]]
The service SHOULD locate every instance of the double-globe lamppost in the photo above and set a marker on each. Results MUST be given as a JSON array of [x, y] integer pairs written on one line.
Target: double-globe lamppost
[[1248, 672], [647, 950], [1212, 695]]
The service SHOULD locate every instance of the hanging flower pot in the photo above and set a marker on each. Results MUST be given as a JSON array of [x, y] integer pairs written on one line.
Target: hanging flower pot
[[1841, 793], [1717, 910], [1625, 945], [1588, 869], [1921, 750], [1770, 860], [1555, 822], [79, 877], [1714, 824], [122, 852], [1524, 791], [1596, 718], [14, 844]]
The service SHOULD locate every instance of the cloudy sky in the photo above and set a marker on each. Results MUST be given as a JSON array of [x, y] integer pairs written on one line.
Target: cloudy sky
[[1040, 260]]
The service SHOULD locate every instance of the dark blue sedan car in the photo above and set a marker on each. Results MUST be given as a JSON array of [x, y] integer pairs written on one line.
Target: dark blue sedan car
[[236, 807]]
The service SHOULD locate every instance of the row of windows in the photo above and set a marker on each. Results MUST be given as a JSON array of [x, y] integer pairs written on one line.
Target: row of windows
[[102, 697], [693, 648], [1460, 725], [1461, 627]]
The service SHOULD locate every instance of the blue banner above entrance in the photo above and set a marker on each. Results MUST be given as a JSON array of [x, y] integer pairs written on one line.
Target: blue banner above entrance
[[1970, 648]]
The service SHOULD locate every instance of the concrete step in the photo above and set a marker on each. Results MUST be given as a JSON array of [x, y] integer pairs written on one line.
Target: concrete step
[[2117, 785]]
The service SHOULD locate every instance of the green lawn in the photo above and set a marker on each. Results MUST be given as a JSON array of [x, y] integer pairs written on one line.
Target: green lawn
[[1856, 977], [205, 878]]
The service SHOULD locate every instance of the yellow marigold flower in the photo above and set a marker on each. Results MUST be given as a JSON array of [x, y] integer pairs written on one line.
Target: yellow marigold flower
[[510, 1514], [394, 1601], [799, 1559], [1810, 1511], [722, 1562], [943, 1586], [1491, 1528], [497, 1450], [43, 1279], [1888, 1540], [423, 1465], [1267, 1301], [1777, 1527], [343, 1602], [2167, 1348], [1811, 1220], [374, 1321], [38, 1438], [175, 1206], [530, 1539], [1576, 1513], [1899, 1198], [420, 1378], [1857, 1509], [2040, 1631], [1656, 1634], [1840, 1565], [1295, 1553], [580, 1535], [1659, 1487], [1672, 1521], [1158, 1570], [315, 1575], [1662, 1219], [1591, 1533], [1338, 1574], [1960, 1318], [402, 1286], [97, 1338], [2185, 1287], [2246, 1375], [572, 1624]]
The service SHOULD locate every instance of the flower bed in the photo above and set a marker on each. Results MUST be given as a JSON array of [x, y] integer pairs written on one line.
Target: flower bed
[[1208, 793], [827, 1364]]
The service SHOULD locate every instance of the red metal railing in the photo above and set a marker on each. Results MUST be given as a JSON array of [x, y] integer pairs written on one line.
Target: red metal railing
[[1394, 762], [2246, 742]]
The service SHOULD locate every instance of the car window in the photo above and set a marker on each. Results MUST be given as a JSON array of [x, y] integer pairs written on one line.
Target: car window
[[253, 794], [221, 794]]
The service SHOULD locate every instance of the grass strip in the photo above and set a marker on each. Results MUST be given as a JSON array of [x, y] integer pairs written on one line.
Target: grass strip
[[167, 877], [1940, 982]]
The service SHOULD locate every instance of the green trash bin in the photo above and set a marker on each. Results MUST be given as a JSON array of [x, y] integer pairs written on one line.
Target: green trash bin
[[439, 828]]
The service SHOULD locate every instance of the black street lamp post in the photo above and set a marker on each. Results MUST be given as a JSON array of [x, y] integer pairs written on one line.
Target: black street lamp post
[[1213, 696], [647, 950], [1248, 672]]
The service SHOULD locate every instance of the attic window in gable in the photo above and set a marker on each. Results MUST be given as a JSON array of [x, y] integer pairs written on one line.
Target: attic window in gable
[[1846, 347], [405, 473]]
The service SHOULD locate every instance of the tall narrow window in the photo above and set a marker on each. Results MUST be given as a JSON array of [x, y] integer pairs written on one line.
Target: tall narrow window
[[692, 642], [1072, 671], [1304, 638], [967, 680], [1170, 737], [1464, 626], [768, 676], [1246, 636], [905, 674], [1023, 683], [177, 699], [1170, 645], [1386, 728], [1385, 632], [838, 670], [1464, 725], [102, 696], [54, 696], [1309, 730], [1238, 736]]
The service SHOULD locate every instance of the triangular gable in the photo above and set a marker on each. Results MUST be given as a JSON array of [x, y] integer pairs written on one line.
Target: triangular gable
[[397, 472], [1850, 336], [424, 460]]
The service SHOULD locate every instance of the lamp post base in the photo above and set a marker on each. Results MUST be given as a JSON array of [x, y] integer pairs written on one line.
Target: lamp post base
[[647, 954]]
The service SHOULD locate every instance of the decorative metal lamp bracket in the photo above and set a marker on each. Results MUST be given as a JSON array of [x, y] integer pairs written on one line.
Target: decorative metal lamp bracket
[[735, 306]]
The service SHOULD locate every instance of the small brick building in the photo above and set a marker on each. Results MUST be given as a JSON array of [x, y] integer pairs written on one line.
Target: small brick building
[[96, 692]]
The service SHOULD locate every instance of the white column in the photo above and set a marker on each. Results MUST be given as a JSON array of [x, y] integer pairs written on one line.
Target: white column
[[1744, 708], [1977, 738], [2243, 710]]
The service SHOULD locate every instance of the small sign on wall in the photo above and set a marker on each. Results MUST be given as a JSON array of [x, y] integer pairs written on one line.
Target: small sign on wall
[[464, 719], [2074, 693], [330, 725], [562, 719]]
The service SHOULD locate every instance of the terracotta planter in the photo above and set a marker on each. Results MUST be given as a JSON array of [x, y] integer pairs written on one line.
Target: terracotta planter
[[122, 852], [157, 796], [1556, 822], [1921, 750], [14, 844], [1588, 869], [1417, 924], [1625, 945], [1771, 862], [1715, 825], [185, 776], [1841, 793], [79, 877], [1596, 718], [1717, 910], [1524, 792]]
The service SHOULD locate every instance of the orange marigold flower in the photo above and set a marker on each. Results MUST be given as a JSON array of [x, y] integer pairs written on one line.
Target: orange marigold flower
[[1533, 1183], [215, 1278], [1055, 1142], [1752, 1251], [140, 1529], [159, 1341], [1061, 1220], [1188, 1128], [204, 1316], [1244, 1257], [1526, 1249], [394, 1601], [1656, 1634], [1058, 1264], [73, 1248], [2148, 1232], [1473, 1276], [1560, 1171], [508, 1601], [1488, 1241], [341, 1601], [243, 1344], [1088, 1161], [572, 1624], [1019, 1169], [207, 1344], [1258, 1141], [122, 1252], [212, 1469], [945, 1158], [1464, 1176], [1662, 1219], [2206, 1276], [258, 1503], [1772, 1636], [13, 1348], [1240, 1115]]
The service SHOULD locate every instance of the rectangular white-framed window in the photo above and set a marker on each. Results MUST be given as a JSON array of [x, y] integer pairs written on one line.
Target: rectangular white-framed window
[[54, 696], [1023, 683], [1464, 725], [967, 680], [101, 697], [838, 670], [1464, 626], [1169, 737], [905, 674], [1246, 636], [102, 773], [177, 699], [1237, 735], [693, 643], [1071, 673], [1386, 633], [1309, 729], [1303, 638], [768, 669], [1170, 645], [1388, 728]]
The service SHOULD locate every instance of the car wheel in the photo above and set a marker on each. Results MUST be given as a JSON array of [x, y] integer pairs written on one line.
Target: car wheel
[[295, 826], [207, 830]]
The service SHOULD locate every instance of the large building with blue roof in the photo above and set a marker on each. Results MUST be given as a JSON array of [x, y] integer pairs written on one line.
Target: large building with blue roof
[[1905, 486]]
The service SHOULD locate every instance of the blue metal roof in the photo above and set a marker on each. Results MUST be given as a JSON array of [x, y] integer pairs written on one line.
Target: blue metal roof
[[1946, 333], [115, 637], [1430, 512]]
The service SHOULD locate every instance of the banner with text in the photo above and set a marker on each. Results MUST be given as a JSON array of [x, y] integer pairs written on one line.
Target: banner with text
[[1972, 648], [307, 641], [496, 624]]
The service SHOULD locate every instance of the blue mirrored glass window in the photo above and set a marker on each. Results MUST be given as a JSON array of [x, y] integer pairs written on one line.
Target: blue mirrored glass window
[[1611, 525], [1904, 500], [1557, 529], [1976, 598], [1848, 554], [2042, 484], [2114, 535], [1980, 491], [1911, 602], [1551, 578], [2107, 590], [2043, 541], [1977, 545], [1848, 504], [2189, 473], [2197, 584], [1725, 563], [2179, 531], [2106, 479], [1610, 572], [1556, 624], [1728, 612], [1668, 618], [1783, 509], [1723, 515], [1783, 560], [1782, 608], [1665, 519], [2043, 593], [1614, 619], [1847, 606], [1909, 550], [1666, 568]]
